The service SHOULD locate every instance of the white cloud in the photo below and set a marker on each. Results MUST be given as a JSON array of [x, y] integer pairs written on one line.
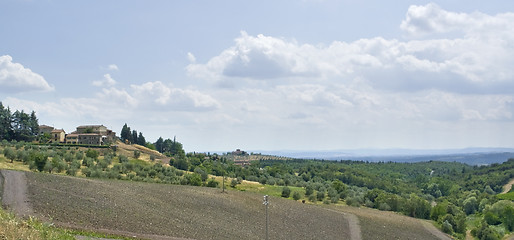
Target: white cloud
[[113, 67], [314, 95], [191, 57], [158, 95], [432, 19], [474, 62], [107, 81], [14, 77]]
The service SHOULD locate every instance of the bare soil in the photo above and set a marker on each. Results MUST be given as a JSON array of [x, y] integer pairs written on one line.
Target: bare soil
[[376, 224], [353, 225], [508, 186], [160, 211]]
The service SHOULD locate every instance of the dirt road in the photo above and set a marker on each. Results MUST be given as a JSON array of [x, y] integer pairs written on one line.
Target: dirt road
[[436, 232], [14, 195], [353, 223], [508, 186]]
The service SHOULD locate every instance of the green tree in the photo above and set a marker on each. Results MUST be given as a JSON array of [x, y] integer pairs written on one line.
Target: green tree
[[286, 192], [23, 126], [508, 218], [123, 159], [195, 180], [491, 218], [5, 123], [320, 195], [296, 196], [125, 133], [447, 227], [180, 163], [233, 183], [90, 153], [309, 190], [133, 138], [137, 154], [470, 205], [141, 139], [159, 145], [40, 160], [339, 186], [9, 153], [417, 207], [438, 211], [212, 183]]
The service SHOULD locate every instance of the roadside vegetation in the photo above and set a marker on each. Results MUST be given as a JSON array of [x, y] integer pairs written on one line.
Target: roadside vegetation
[[15, 228]]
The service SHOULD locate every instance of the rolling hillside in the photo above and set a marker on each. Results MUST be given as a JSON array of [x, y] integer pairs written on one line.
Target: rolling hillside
[[161, 211]]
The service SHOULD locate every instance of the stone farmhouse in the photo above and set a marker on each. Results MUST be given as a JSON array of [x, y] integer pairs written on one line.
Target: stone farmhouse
[[56, 135], [87, 134]]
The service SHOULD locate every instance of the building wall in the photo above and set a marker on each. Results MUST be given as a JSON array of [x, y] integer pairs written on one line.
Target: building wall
[[45, 129], [58, 136]]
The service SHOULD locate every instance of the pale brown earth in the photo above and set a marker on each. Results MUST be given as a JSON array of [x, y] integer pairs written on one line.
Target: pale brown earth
[[376, 224], [159, 211], [508, 186]]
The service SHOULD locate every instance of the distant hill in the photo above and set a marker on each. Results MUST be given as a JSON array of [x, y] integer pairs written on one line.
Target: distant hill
[[471, 156]]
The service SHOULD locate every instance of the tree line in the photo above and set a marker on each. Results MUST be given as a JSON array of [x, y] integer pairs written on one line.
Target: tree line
[[17, 125], [168, 147]]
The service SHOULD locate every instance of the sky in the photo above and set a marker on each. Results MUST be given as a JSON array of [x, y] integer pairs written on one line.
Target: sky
[[267, 75]]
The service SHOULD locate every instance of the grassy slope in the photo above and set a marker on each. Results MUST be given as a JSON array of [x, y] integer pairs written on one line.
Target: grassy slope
[[179, 211]]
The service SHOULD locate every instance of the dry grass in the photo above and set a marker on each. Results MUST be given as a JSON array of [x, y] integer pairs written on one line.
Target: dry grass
[[14, 228], [176, 211], [128, 150], [6, 164]]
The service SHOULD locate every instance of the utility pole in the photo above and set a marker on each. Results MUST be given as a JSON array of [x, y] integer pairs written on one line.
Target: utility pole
[[266, 203], [223, 181], [224, 173]]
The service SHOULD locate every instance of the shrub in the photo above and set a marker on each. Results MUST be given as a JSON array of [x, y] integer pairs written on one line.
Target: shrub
[[508, 218], [195, 179], [309, 190], [491, 218], [384, 207], [352, 201], [71, 171], [92, 154], [296, 196], [286, 192], [212, 183], [123, 159], [137, 154], [320, 195], [233, 183], [40, 160], [447, 227]]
